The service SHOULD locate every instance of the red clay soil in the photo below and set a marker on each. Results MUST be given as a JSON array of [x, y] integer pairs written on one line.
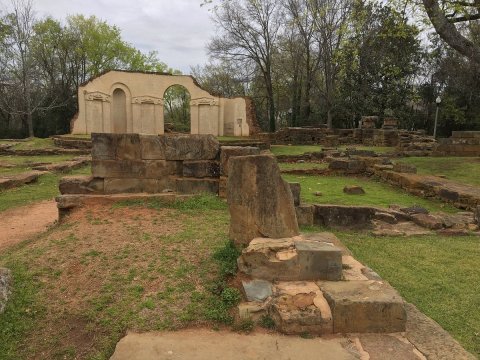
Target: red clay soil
[[22, 223]]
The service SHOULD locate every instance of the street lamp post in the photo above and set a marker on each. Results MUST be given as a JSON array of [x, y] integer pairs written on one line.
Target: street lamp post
[[438, 100]]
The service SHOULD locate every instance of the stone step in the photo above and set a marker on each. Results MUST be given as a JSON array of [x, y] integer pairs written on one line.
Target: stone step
[[364, 306], [291, 259]]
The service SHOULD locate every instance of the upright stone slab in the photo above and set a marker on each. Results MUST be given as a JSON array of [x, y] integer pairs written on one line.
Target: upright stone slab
[[226, 152], [260, 201]]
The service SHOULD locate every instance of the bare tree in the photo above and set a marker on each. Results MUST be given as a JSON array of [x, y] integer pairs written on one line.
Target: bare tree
[[330, 21], [248, 34], [18, 63]]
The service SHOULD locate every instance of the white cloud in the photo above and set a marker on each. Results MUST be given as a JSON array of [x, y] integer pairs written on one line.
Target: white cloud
[[178, 29]]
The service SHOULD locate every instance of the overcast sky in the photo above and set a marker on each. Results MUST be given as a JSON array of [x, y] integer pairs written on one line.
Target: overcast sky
[[177, 29]]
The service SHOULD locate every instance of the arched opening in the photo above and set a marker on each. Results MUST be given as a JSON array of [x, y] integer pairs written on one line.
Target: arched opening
[[177, 109], [119, 111]]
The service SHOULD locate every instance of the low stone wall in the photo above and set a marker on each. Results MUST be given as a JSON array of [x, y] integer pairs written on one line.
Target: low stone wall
[[133, 163], [462, 143], [335, 137]]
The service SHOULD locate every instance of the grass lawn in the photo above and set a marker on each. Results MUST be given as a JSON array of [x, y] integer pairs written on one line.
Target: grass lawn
[[302, 166], [134, 266], [23, 163], [376, 193], [302, 149], [440, 275], [34, 143], [45, 188], [461, 169]]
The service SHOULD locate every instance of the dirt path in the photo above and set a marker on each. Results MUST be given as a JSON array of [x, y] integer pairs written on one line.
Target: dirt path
[[21, 223]]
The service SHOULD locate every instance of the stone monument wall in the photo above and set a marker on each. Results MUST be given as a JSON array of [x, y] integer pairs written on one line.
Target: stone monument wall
[[133, 102]]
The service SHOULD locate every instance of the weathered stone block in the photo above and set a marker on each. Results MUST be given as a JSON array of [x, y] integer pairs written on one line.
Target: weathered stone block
[[300, 308], [157, 169], [191, 147], [405, 168], [477, 215], [226, 152], [305, 214], [123, 185], [260, 201], [104, 146], [251, 310], [128, 147], [222, 187], [296, 190], [81, 185], [339, 216], [257, 290], [152, 147], [428, 221], [118, 168], [201, 168], [364, 306], [291, 259], [196, 186]]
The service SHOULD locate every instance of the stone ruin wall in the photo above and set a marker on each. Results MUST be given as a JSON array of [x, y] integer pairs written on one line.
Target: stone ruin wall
[[133, 102], [336, 137], [461, 143], [134, 163]]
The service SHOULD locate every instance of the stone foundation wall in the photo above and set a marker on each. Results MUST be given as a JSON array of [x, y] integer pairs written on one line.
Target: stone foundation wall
[[462, 143]]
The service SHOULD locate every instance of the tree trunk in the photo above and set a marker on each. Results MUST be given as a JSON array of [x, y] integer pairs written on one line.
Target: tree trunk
[[449, 33]]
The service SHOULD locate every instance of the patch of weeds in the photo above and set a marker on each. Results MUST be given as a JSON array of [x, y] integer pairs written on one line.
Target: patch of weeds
[[21, 313], [231, 296], [244, 325], [306, 335], [266, 322], [227, 256], [148, 304], [92, 253]]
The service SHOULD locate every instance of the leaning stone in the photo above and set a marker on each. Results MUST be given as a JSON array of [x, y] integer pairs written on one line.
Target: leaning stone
[[5, 285], [257, 290], [201, 168], [296, 190], [353, 190], [260, 201], [226, 152], [196, 186], [364, 306], [81, 185], [191, 147]]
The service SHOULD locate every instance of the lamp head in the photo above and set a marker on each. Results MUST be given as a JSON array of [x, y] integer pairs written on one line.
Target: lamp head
[[438, 100]]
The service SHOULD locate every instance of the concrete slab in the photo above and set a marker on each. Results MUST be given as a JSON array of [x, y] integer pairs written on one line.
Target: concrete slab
[[221, 345]]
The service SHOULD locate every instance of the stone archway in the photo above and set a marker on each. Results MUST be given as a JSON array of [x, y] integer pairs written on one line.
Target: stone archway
[[176, 109], [119, 111]]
